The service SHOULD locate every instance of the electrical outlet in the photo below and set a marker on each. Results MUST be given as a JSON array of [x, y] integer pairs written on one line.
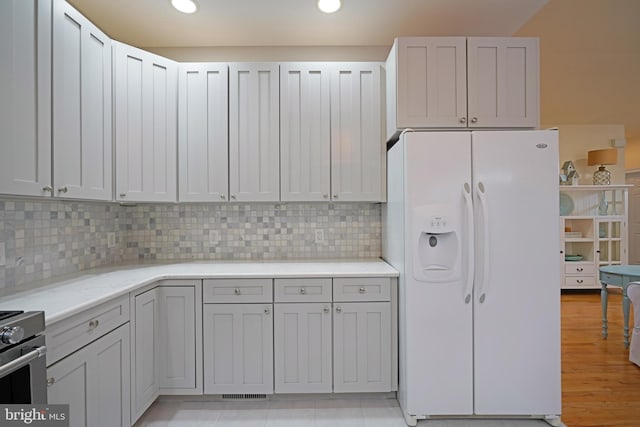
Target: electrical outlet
[[111, 240], [320, 236]]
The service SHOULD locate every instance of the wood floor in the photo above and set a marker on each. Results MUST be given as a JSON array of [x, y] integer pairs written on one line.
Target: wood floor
[[600, 387]]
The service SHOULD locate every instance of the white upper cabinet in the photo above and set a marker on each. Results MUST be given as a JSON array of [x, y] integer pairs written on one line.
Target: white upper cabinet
[[305, 131], [431, 82], [25, 97], [503, 82], [357, 123], [146, 87], [82, 148], [203, 133], [254, 135], [458, 82]]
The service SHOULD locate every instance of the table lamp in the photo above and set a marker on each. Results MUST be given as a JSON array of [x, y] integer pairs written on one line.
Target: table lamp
[[608, 156]]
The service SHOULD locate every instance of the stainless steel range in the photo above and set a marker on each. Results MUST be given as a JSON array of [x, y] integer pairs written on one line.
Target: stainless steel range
[[22, 358]]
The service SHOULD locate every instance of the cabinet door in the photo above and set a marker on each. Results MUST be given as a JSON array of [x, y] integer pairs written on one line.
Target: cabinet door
[[357, 146], [146, 87], [25, 97], [305, 131], [109, 405], [362, 347], [69, 384], [503, 81], [95, 382], [145, 350], [431, 82], [177, 354], [81, 106], [254, 135], [302, 337], [238, 348], [203, 139]]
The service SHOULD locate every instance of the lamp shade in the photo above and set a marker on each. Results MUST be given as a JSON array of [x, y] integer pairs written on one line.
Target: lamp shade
[[608, 156]]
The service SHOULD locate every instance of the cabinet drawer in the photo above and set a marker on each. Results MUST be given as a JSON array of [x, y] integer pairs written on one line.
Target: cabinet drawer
[[66, 336], [216, 291], [362, 289], [302, 290], [572, 268], [580, 281]]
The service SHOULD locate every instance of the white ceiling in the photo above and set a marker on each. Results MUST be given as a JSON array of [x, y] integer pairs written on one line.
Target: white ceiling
[[154, 23]]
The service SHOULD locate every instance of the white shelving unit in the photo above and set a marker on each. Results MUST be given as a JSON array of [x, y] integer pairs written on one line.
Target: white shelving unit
[[593, 224]]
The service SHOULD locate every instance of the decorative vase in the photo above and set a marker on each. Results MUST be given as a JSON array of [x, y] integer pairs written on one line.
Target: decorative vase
[[603, 206]]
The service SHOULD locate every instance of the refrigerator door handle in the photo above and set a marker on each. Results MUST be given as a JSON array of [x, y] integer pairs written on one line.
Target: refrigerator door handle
[[466, 193], [482, 197]]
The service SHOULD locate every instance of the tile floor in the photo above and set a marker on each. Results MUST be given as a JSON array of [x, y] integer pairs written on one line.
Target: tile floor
[[352, 412]]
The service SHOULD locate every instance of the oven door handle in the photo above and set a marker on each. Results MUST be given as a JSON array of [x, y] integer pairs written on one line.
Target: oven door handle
[[23, 360]]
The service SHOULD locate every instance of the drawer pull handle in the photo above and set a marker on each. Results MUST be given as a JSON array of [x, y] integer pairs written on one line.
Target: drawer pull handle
[[236, 291], [338, 309], [50, 381], [580, 280], [361, 290], [303, 291], [326, 309], [94, 324], [580, 269]]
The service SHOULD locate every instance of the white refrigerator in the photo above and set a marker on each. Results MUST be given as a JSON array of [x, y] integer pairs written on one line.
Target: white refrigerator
[[471, 223]]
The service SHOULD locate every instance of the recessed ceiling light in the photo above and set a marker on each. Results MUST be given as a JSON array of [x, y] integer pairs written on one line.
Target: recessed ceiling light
[[329, 6], [185, 6]]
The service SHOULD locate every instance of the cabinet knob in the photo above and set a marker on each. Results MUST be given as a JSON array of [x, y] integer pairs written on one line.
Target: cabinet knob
[[267, 310], [63, 189], [123, 194], [326, 309], [463, 120], [361, 290], [233, 196], [303, 291], [50, 381], [94, 324], [223, 197], [47, 189], [236, 291], [338, 309], [474, 120], [335, 196]]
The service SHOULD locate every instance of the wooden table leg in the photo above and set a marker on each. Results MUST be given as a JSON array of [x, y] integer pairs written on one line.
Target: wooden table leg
[[625, 313], [603, 300]]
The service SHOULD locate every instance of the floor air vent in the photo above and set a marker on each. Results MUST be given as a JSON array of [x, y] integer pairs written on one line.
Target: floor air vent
[[243, 396]]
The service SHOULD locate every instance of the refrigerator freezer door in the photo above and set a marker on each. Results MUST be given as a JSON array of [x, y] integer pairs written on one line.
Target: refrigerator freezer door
[[517, 293], [438, 353]]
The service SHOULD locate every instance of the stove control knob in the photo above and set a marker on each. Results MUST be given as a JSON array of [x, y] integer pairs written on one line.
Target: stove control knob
[[11, 334]]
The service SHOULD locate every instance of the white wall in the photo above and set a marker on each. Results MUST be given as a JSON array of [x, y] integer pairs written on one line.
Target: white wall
[[577, 140]]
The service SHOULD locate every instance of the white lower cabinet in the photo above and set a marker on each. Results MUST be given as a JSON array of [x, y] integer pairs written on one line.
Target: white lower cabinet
[[145, 350], [94, 381], [362, 347], [165, 349], [238, 348], [302, 338]]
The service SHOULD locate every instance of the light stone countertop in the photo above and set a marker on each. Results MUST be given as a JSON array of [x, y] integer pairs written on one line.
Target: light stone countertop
[[64, 298]]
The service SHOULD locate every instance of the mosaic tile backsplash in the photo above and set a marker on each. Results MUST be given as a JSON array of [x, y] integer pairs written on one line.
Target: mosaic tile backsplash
[[41, 239]]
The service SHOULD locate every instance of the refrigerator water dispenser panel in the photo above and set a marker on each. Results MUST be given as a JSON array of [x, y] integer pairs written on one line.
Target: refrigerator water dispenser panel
[[437, 258]]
